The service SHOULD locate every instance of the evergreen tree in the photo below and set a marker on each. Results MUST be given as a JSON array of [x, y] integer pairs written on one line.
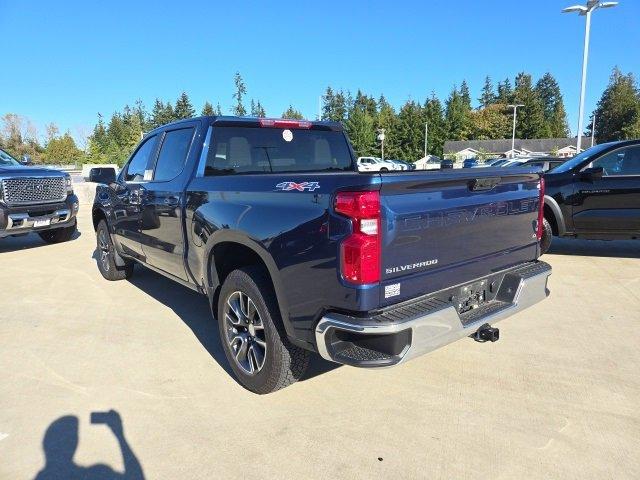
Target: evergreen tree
[[410, 131], [488, 96], [360, 127], [257, 110], [434, 118], [183, 108], [456, 118], [618, 110], [207, 110], [555, 116], [530, 118], [328, 101], [505, 92], [465, 95], [218, 109], [292, 113], [161, 114], [62, 150], [368, 104], [238, 96]]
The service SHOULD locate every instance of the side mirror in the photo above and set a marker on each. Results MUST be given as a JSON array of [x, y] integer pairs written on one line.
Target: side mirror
[[593, 173], [26, 160], [106, 175]]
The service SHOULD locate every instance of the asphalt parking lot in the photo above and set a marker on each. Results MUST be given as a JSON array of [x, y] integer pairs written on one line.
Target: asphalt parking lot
[[556, 397]]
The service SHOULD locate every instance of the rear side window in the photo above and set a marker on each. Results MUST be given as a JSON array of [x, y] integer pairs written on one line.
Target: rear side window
[[140, 160], [173, 154], [236, 150]]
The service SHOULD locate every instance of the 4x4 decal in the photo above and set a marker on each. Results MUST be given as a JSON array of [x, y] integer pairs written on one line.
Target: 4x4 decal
[[300, 187]]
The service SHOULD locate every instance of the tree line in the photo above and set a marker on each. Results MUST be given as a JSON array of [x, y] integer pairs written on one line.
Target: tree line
[[543, 115]]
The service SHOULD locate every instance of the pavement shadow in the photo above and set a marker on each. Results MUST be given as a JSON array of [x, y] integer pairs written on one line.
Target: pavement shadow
[[60, 443], [26, 242], [595, 248], [193, 309]]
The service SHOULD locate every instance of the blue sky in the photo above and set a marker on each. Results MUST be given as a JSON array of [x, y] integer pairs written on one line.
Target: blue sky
[[66, 61]]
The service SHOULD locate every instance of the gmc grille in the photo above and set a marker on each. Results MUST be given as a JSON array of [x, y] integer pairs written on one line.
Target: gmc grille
[[24, 191]]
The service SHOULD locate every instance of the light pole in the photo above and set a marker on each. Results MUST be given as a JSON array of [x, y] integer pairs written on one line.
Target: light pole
[[381, 138], [593, 128], [585, 10], [426, 135], [513, 138]]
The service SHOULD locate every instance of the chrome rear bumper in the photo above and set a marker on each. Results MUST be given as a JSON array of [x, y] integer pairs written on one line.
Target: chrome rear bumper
[[374, 343]]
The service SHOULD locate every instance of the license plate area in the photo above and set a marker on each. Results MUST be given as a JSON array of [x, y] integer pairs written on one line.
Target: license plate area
[[43, 222], [471, 296]]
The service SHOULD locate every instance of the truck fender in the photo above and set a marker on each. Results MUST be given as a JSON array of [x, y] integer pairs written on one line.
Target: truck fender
[[213, 282], [557, 213]]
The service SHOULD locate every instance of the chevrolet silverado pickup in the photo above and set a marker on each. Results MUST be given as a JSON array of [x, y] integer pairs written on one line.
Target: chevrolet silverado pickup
[[37, 200], [297, 252], [595, 195]]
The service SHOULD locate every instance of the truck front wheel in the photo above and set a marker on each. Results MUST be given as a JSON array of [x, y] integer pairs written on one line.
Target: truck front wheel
[[106, 256], [59, 235], [253, 336]]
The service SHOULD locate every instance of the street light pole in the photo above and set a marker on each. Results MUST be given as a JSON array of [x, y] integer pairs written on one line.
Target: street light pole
[[585, 10], [593, 128], [381, 137], [513, 137], [426, 136]]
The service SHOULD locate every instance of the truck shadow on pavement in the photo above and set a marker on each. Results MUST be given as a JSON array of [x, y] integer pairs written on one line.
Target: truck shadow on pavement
[[60, 443], [193, 310], [26, 242], [595, 248]]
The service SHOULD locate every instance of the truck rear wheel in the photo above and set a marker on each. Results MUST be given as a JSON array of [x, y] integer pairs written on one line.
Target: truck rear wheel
[[252, 333], [547, 235], [106, 256], [59, 235]]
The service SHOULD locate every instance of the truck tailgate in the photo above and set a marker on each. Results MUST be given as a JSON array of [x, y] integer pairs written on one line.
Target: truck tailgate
[[441, 229]]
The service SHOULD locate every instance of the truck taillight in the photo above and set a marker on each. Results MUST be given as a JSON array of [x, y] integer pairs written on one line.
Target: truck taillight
[[360, 251], [279, 123], [540, 224]]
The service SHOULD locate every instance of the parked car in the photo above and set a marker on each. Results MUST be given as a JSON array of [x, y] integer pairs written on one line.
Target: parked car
[[470, 163], [595, 195], [39, 200], [298, 252], [404, 165], [445, 164], [375, 164], [544, 163], [516, 162]]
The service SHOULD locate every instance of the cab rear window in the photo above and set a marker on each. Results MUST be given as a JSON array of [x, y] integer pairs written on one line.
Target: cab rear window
[[245, 150]]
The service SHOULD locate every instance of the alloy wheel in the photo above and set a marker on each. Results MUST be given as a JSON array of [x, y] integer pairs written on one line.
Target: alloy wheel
[[245, 332], [105, 249]]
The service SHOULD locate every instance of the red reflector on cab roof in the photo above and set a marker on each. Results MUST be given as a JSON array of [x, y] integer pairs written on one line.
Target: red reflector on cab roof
[[280, 123]]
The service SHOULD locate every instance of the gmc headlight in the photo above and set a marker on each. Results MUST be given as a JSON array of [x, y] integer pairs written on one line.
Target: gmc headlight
[[69, 184]]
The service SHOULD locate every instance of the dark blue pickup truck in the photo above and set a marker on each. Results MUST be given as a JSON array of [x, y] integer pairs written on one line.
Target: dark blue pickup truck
[[299, 252]]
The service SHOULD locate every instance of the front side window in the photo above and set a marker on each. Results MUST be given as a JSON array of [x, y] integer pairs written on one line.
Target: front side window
[[625, 161], [173, 154], [237, 150], [7, 160], [138, 163]]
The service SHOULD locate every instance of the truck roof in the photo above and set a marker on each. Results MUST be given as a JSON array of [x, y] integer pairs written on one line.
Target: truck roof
[[230, 120]]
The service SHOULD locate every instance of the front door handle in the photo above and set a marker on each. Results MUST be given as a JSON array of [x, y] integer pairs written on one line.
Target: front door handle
[[172, 201]]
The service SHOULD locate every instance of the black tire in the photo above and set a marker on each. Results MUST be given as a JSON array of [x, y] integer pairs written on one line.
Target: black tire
[[282, 362], [59, 235], [547, 235], [106, 256], [383, 169]]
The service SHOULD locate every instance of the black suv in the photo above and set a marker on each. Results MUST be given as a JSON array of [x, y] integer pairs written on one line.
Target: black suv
[[595, 195], [37, 200]]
